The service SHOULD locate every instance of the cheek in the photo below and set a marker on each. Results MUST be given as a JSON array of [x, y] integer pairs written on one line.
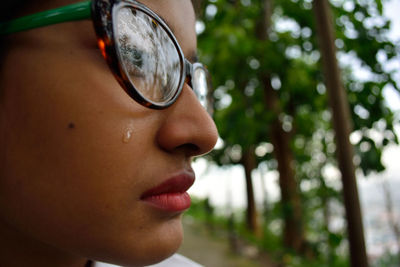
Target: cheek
[[62, 157], [76, 158], [78, 153], [84, 196], [65, 123]]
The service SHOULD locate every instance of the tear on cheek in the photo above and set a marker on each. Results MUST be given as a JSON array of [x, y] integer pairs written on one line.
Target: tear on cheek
[[127, 134]]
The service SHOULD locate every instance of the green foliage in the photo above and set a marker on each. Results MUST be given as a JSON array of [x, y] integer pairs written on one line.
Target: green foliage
[[271, 240], [388, 260], [236, 57], [230, 46]]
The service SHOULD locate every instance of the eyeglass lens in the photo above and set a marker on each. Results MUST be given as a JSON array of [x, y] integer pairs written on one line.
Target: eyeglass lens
[[148, 55], [200, 84], [151, 60]]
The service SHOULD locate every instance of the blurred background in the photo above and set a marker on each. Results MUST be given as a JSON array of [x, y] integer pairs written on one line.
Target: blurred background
[[306, 170]]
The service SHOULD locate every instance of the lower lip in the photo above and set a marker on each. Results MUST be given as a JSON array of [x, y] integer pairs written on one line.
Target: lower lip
[[171, 202]]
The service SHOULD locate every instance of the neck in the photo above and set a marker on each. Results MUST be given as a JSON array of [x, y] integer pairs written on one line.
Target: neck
[[19, 250]]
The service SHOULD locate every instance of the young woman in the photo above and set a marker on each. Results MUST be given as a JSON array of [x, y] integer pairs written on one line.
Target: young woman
[[95, 155]]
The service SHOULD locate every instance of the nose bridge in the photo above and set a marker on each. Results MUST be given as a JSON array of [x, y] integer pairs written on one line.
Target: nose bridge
[[188, 126]]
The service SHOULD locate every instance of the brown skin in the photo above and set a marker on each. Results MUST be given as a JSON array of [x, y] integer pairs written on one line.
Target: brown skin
[[70, 186]]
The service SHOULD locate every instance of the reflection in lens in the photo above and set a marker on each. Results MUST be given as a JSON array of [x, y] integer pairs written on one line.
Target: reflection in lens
[[200, 82], [200, 85], [147, 54]]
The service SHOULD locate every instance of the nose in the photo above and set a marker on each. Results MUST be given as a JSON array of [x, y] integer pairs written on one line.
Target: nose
[[187, 127]]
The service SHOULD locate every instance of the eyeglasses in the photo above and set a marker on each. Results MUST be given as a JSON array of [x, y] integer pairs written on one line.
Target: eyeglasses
[[138, 46]]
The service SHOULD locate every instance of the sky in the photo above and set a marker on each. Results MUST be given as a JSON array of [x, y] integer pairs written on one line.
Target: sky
[[392, 11]]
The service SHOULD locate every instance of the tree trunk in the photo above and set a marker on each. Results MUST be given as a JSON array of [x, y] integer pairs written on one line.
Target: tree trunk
[[342, 126], [293, 234], [249, 163]]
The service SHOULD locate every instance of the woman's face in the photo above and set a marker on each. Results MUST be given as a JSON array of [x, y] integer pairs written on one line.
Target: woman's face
[[81, 163]]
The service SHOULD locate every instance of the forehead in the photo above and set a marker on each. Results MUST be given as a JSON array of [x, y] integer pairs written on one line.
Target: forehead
[[180, 17], [178, 11], [178, 14]]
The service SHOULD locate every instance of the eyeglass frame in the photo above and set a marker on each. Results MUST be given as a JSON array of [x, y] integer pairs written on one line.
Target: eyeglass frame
[[102, 19]]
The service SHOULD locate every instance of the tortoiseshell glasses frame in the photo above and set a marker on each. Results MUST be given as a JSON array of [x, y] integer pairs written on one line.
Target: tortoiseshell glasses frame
[[122, 51]]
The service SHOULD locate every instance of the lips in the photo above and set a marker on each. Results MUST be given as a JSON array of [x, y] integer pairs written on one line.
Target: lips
[[171, 195]]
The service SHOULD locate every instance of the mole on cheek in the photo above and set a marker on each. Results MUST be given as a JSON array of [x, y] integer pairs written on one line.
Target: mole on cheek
[[71, 125]]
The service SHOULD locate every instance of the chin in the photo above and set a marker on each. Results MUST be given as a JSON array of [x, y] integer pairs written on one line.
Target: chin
[[148, 247]]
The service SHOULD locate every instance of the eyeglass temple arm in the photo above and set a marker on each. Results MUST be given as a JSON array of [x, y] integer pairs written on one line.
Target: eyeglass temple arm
[[77, 11], [188, 69]]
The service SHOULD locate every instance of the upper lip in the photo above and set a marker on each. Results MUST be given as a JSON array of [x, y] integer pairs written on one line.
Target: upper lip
[[178, 183]]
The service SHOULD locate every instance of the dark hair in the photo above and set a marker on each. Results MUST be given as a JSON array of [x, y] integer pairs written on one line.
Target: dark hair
[[10, 8]]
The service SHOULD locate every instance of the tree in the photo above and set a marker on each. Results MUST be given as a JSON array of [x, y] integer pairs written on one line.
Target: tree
[[293, 235], [342, 125], [249, 164], [284, 69]]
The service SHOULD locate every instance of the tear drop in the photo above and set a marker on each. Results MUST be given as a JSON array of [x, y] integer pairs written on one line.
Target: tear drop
[[127, 135]]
